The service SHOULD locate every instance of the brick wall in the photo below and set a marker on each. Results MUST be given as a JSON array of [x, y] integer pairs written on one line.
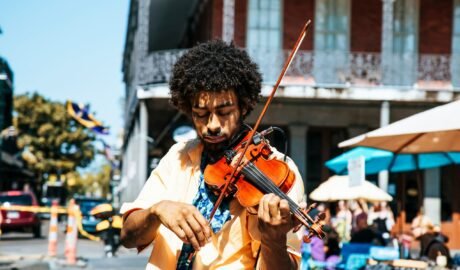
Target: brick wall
[[241, 13], [295, 14], [366, 25], [435, 26], [217, 14]]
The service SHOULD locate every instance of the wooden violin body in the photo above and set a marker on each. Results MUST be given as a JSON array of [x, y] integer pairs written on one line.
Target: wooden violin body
[[257, 174]]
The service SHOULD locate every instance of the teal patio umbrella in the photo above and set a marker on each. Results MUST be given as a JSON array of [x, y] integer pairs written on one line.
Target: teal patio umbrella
[[377, 160]]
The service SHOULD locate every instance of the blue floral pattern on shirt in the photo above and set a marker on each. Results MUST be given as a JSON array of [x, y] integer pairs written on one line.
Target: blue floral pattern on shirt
[[204, 202]]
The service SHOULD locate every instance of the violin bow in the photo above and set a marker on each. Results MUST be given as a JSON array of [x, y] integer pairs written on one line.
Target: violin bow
[[288, 62]]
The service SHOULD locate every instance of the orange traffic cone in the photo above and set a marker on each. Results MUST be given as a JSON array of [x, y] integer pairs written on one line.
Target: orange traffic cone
[[72, 234], [53, 231]]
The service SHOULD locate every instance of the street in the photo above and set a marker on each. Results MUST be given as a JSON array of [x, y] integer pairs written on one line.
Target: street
[[90, 254]]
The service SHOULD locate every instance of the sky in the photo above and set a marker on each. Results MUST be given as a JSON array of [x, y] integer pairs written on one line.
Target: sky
[[67, 49]]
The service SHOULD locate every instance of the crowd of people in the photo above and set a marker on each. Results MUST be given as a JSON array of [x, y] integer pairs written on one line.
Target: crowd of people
[[365, 223]]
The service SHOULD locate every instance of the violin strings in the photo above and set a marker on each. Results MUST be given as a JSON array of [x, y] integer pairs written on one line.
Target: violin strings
[[269, 187]]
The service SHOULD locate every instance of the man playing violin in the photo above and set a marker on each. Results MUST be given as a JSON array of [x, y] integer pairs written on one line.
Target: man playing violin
[[217, 86]]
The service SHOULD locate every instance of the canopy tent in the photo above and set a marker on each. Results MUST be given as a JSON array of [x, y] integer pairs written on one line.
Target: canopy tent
[[434, 130], [338, 188]]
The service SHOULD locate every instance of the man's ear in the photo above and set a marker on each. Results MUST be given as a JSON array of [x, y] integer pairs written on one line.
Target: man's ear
[[244, 111]]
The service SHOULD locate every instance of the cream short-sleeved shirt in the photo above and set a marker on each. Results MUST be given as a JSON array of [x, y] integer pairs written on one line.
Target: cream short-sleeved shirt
[[234, 247]]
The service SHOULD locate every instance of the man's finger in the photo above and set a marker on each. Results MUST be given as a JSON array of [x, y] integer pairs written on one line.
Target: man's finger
[[264, 212], [274, 207], [285, 212], [179, 232], [197, 230], [204, 224], [190, 235]]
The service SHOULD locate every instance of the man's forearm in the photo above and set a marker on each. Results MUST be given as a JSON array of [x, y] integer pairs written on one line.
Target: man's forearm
[[139, 228], [275, 256]]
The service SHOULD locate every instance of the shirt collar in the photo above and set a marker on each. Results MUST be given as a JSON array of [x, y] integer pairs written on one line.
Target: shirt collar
[[194, 151]]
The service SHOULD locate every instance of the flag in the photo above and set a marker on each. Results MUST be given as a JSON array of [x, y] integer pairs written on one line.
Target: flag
[[107, 150], [109, 154], [82, 115]]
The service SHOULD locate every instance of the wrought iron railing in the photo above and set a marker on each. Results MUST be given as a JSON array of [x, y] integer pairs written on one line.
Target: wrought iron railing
[[437, 72]]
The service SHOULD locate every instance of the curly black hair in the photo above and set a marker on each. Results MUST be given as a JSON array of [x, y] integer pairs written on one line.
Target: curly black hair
[[215, 66]]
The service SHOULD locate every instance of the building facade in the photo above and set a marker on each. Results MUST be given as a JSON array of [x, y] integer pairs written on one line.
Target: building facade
[[13, 172], [6, 95], [363, 64]]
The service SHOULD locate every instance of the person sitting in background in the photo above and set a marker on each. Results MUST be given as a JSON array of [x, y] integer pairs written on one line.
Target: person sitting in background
[[366, 234], [382, 219], [432, 241], [325, 254], [342, 221], [332, 247], [359, 211], [421, 223]]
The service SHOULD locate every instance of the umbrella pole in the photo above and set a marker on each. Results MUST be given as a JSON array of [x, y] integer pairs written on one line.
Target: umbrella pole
[[419, 187], [419, 181], [402, 213]]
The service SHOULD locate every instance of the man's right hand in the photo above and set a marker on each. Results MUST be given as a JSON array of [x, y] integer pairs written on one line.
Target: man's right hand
[[184, 220]]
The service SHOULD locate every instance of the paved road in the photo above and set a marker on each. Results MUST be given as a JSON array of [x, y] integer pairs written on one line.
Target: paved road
[[23, 244]]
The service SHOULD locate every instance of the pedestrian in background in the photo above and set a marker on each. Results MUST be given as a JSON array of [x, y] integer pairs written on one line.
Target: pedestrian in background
[[342, 222], [382, 219]]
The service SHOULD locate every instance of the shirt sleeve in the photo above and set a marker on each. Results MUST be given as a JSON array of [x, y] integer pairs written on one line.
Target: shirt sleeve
[[156, 187]]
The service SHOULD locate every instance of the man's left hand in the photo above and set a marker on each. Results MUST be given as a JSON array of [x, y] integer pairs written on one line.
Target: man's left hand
[[275, 219]]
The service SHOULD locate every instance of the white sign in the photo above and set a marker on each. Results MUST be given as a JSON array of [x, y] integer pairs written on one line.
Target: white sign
[[356, 171]]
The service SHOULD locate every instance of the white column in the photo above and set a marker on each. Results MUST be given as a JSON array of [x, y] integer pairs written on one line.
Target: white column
[[432, 199], [143, 144], [384, 120], [298, 146], [228, 23]]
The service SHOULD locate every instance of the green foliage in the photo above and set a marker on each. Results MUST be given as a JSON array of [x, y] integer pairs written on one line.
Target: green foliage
[[54, 142], [92, 184]]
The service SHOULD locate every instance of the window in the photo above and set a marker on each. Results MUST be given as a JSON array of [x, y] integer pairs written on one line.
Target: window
[[404, 62], [332, 25], [456, 30], [405, 26], [264, 25], [332, 40]]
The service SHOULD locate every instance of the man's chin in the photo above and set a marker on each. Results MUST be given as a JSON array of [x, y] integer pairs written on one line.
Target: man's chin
[[215, 148]]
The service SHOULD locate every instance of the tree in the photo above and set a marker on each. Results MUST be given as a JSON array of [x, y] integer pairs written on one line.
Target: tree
[[92, 184], [52, 141]]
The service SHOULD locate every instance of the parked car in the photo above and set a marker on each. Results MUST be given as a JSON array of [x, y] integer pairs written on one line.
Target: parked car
[[89, 222], [23, 221]]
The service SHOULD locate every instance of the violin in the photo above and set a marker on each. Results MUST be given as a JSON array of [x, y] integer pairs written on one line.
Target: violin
[[256, 175], [249, 173]]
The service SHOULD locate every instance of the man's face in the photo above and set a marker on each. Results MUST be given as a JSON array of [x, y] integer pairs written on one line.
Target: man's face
[[217, 118]]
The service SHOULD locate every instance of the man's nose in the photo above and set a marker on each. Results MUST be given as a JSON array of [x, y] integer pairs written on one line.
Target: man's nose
[[213, 124]]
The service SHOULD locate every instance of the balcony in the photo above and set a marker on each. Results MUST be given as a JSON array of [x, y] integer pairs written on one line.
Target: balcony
[[336, 69]]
